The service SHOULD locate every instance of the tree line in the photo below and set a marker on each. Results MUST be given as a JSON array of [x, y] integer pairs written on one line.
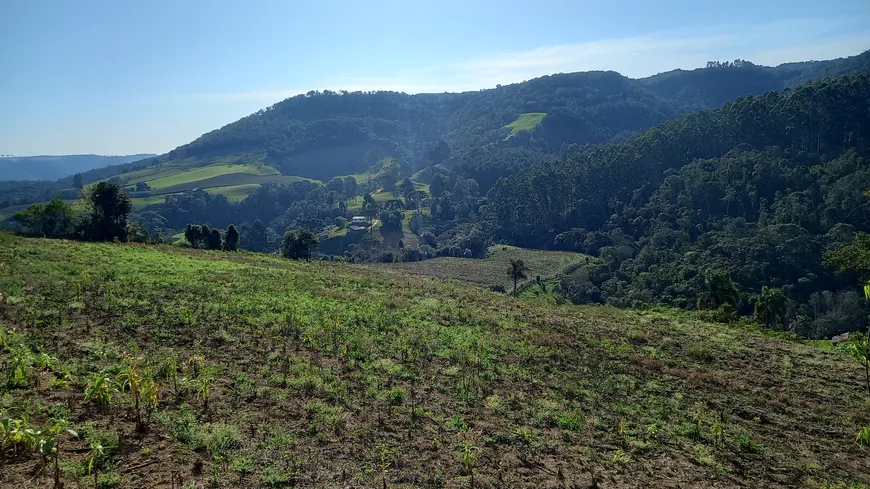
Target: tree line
[[758, 191], [201, 236], [101, 214]]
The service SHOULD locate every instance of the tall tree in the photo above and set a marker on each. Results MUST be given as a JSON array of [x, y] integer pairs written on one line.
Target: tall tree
[[406, 188], [719, 289], [214, 239], [770, 307], [109, 207], [193, 234], [231, 238], [437, 186], [256, 239], [58, 219], [298, 244], [516, 272]]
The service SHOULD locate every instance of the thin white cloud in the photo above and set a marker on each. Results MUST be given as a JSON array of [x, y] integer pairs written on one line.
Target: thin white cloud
[[770, 44], [834, 48]]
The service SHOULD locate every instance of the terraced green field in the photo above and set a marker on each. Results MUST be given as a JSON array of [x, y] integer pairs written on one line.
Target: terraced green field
[[208, 172], [146, 201], [525, 122]]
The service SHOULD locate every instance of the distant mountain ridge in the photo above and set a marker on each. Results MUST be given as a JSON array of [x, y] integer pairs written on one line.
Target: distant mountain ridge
[[491, 133], [325, 134], [50, 167]]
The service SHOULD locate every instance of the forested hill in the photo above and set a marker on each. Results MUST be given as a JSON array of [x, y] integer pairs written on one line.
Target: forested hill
[[757, 190], [325, 134]]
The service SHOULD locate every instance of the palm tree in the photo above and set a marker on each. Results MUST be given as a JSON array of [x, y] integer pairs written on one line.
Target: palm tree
[[516, 272]]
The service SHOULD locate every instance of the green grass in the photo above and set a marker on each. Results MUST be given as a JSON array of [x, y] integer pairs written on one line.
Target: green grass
[[409, 214], [151, 173], [356, 203], [335, 231], [362, 178], [384, 196], [177, 239], [310, 358], [525, 122], [192, 176], [146, 201], [542, 292], [235, 193], [492, 270]]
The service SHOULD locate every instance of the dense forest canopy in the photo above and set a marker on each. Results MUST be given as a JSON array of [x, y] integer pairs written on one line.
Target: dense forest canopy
[[760, 189], [325, 134]]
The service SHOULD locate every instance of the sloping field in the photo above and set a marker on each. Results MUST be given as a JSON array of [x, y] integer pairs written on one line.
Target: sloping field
[[492, 270], [152, 173], [235, 193], [146, 201], [261, 372], [208, 172], [231, 179], [384, 196]]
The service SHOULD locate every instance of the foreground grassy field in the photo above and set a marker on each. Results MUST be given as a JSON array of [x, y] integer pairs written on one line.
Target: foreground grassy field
[[492, 270], [253, 371]]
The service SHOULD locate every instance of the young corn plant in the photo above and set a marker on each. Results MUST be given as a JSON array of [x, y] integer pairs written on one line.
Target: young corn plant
[[859, 349], [20, 367], [17, 435], [204, 382], [49, 447], [623, 432], [718, 432], [150, 397], [620, 457], [100, 389], [97, 452], [130, 380], [863, 438], [384, 464], [698, 423], [168, 370], [468, 453]]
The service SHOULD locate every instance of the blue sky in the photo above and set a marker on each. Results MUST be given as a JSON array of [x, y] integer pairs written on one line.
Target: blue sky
[[123, 77]]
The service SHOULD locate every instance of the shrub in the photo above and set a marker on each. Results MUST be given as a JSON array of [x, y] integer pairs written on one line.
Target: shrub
[[219, 439], [396, 396]]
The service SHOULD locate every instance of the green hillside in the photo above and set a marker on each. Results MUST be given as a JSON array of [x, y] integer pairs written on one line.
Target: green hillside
[[318, 373], [321, 135]]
